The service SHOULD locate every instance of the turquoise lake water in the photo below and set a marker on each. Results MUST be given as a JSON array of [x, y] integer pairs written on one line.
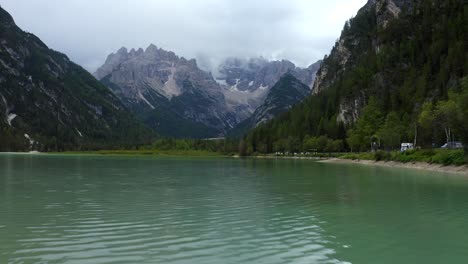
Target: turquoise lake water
[[100, 209]]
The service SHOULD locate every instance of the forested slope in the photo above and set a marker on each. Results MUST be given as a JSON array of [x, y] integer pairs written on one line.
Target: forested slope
[[49, 103], [395, 74]]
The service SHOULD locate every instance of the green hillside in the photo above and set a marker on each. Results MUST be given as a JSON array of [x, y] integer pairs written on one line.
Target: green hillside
[[49, 103]]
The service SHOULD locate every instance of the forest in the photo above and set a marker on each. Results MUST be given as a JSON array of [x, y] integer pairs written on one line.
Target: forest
[[409, 79]]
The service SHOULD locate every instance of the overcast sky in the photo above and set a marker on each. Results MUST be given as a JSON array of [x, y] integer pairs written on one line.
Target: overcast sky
[[302, 31]]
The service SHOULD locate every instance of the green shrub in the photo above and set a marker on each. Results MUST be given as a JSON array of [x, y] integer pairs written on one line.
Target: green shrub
[[359, 156], [438, 156], [449, 157], [421, 155], [382, 155]]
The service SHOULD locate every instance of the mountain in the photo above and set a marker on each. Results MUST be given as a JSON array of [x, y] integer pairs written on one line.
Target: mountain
[[176, 98], [396, 65], [287, 92], [49, 103], [170, 94], [247, 82]]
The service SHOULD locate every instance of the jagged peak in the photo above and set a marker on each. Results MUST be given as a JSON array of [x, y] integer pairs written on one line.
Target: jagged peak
[[137, 52], [392, 6], [151, 48], [283, 62], [122, 50], [193, 62], [315, 65]]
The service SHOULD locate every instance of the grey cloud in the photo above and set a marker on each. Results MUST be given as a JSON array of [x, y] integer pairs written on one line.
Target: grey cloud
[[302, 31]]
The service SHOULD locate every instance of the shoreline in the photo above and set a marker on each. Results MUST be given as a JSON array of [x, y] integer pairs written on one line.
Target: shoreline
[[461, 170], [165, 154], [453, 169]]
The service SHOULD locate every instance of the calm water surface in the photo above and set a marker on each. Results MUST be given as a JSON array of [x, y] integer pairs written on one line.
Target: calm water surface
[[85, 209]]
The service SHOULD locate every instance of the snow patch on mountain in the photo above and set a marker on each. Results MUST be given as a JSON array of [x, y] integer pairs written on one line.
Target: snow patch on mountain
[[10, 118]]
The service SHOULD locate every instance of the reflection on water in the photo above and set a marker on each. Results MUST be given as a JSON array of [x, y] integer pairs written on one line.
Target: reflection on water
[[83, 209]]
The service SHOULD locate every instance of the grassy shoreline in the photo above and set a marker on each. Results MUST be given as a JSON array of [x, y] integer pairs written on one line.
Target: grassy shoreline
[[453, 161], [445, 162], [445, 157], [162, 153], [439, 160], [431, 156]]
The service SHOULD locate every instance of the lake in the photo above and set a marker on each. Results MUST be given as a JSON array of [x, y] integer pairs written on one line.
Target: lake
[[104, 209]]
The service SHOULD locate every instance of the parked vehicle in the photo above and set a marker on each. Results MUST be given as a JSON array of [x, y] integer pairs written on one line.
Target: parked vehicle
[[406, 146], [452, 145]]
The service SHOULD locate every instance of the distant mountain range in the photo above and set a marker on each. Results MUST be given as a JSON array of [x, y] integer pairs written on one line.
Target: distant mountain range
[[287, 92], [246, 83], [402, 55], [168, 93], [176, 98], [49, 103]]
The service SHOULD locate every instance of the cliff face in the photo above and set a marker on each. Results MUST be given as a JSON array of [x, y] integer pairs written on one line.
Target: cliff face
[[360, 36], [156, 84], [286, 93], [49, 103], [247, 83], [154, 68], [258, 73]]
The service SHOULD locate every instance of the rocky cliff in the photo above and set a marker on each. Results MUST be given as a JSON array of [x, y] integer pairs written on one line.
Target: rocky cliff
[[359, 37], [176, 98], [286, 93], [247, 83], [157, 84]]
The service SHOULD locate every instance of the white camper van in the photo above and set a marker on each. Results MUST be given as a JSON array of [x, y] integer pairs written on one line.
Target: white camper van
[[406, 146]]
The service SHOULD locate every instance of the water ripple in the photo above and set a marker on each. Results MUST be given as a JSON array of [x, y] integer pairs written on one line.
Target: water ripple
[[165, 211]]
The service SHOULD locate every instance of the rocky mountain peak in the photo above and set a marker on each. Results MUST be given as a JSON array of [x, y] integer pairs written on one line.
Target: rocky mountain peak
[[147, 79], [376, 14], [152, 49], [287, 92], [158, 80], [136, 53], [246, 83], [6, 18], [153, 53], [112, 61], [386, 10], [122, 50]]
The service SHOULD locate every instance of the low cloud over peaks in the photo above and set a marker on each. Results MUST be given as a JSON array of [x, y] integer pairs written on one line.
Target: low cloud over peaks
[[302, 31]]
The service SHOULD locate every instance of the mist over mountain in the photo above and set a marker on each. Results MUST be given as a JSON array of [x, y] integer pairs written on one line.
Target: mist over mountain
[[175, 97], [87, 30]]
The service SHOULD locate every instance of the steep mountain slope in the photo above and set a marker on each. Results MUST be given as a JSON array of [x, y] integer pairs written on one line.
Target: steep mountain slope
[[287, 92], [170, 94], [393, 60], [49, 103]]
